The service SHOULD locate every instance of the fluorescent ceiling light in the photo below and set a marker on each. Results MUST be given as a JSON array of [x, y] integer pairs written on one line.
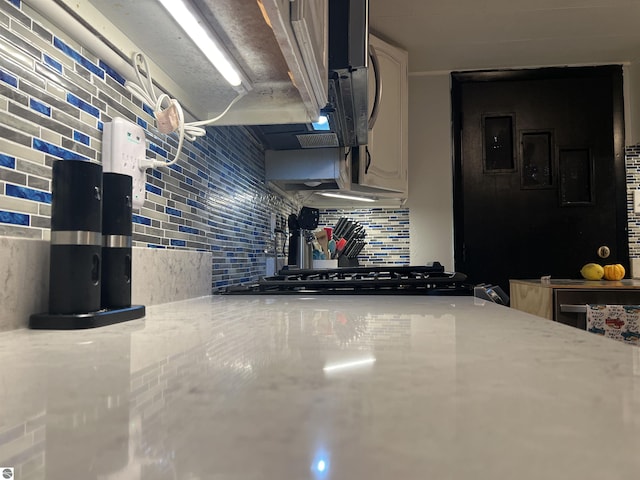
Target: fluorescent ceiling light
[[346, 197], [203, 38]]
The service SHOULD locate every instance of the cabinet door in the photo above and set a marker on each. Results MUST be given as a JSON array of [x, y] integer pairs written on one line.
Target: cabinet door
[[532, 298], [385, 166], [301, 28], [310, 21]]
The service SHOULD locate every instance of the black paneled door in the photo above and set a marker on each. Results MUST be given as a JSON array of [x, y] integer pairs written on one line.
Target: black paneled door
[[539, 172]]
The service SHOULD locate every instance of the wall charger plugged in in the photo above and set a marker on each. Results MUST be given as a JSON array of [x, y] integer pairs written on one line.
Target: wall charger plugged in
[[124, 151], [168, 119]]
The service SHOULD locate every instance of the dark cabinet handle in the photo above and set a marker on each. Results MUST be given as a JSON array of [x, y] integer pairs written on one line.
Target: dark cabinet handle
[[375, 64], [366, 168], [567, 308]]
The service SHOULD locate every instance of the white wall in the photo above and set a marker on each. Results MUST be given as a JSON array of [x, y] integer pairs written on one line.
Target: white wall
[[430, 170], [631, 80]]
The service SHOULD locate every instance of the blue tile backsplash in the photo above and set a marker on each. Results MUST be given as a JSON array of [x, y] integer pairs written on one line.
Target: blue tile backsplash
[[14, 218], [67, 50], [40, 107], [633, 183], [112, 73], [27, 193], [82, 105], [57, 66], [56, 151], [54, 99], [9, 79], [81, 137], [7, 161]]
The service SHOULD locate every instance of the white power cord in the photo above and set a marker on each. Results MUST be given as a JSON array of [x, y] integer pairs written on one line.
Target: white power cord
[[167, 111]]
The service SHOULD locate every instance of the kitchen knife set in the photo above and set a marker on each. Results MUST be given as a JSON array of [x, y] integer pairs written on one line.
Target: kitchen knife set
[[350, 238]]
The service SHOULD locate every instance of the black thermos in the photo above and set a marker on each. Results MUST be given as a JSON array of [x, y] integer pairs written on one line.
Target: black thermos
[[76, 237], [116, 240], [294, 234]]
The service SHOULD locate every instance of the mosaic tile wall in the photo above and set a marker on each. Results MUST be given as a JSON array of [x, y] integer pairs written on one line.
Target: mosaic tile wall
[[633, 183], [55, 97], [387, 233]]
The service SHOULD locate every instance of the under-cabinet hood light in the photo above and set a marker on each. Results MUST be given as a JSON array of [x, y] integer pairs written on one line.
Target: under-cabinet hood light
[[345, 197], [204, 39], [321, 124]]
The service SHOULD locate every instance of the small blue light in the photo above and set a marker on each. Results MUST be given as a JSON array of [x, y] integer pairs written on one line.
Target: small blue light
[[321, 466], [321, 124]]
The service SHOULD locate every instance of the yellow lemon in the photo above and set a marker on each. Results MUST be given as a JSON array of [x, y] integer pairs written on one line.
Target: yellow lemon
[[592, 271]]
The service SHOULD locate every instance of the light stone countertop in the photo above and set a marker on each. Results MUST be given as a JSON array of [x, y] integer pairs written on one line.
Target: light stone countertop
[[328, 387]]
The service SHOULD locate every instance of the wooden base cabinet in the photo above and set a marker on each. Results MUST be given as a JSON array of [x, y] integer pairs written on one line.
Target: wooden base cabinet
[[565, 301], [531, 297]]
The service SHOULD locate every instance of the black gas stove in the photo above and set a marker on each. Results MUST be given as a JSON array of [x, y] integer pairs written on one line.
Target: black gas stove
[[383, 280]]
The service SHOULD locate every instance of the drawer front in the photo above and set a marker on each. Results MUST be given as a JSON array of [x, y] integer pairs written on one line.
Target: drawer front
[[570, 305]]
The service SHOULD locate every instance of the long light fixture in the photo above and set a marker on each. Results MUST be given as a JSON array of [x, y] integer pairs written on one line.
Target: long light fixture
[[189, 20], [345, 197]]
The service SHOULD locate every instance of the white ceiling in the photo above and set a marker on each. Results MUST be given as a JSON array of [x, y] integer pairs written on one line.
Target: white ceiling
[[445, 35]]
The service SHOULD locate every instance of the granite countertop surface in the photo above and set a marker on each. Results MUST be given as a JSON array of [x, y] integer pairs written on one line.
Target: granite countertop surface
[[328, 387]]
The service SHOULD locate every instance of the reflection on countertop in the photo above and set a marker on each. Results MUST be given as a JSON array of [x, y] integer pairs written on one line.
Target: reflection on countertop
[[327, 387]]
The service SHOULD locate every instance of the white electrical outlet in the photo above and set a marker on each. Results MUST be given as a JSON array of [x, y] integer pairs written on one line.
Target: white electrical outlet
[[635, 268], [636, 201], [124, 151]]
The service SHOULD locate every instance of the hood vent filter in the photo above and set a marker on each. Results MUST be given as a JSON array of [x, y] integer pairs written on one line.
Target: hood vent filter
[[318, 140]]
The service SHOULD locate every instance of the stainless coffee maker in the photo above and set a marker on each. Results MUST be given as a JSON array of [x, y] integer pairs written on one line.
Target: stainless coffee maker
[[301, 229]]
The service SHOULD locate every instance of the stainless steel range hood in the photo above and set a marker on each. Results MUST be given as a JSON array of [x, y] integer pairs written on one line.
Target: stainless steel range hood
[[314, 169]]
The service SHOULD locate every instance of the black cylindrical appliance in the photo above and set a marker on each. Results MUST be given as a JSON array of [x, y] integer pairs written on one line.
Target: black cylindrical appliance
[[294, 233], [116, 240], [76, 237]]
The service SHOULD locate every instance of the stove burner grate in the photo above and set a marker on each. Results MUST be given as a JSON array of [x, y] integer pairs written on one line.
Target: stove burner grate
[[420, 280]]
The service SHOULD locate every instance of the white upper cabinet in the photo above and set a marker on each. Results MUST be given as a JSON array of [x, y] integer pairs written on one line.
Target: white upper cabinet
[[280, 47], [301, 28], [383, 164], [309, 19]]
